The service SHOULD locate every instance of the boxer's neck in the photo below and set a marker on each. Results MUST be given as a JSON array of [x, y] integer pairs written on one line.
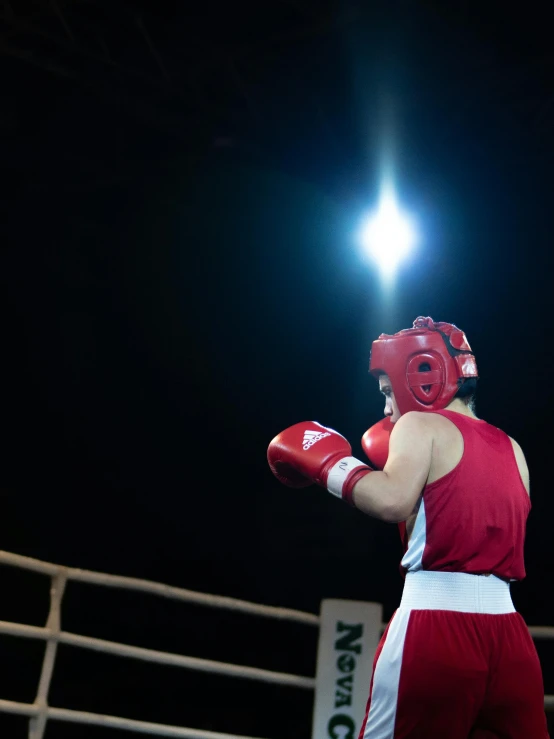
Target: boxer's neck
[[458, 406]]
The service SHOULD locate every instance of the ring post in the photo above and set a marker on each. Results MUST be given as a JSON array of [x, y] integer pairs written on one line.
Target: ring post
[[349, 635]]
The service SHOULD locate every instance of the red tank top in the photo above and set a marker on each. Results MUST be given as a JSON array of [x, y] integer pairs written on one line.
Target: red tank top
[[473, 519]]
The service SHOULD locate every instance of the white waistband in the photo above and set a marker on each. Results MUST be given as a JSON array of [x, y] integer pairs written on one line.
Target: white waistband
[[456, 591]]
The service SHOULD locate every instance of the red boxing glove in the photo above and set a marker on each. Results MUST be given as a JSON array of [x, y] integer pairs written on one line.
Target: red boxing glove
[[375, 442], [309, 452]]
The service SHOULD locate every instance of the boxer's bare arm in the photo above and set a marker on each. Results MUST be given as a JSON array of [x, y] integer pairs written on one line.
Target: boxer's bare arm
[[522, 464], [392, 494]]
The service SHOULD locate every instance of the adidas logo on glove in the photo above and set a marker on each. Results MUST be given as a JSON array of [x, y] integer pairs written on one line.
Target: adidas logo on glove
[[312, 437]]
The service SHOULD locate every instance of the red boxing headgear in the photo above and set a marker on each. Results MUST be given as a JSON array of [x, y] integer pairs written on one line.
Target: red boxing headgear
[[441, 346]]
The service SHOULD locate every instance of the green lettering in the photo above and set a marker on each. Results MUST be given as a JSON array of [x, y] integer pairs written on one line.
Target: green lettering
[[341, 727], [346, 663], [353, 633], [346, 682], [342, 699]]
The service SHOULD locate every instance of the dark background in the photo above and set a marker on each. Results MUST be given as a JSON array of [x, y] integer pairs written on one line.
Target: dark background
[[181, 188]]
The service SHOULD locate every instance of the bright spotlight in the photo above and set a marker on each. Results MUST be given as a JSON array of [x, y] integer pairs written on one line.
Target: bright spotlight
[[388, 235]]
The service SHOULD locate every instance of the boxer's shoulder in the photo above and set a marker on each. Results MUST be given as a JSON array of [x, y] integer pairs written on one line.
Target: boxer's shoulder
[[433, 422], [521, 463], [448, 445]]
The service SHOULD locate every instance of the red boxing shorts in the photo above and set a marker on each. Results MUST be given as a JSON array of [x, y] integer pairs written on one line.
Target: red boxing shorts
[[456, 662]]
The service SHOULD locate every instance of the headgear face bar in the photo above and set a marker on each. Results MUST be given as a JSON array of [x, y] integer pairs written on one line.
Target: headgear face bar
[[441, 346]]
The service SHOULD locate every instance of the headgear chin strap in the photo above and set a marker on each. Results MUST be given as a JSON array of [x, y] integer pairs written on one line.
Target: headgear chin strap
[[403, 356]]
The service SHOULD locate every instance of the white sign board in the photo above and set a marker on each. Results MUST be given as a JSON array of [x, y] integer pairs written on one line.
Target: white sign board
[[348, 638]]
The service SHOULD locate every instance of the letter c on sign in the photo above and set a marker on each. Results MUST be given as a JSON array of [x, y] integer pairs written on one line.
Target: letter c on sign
[[345, 726]]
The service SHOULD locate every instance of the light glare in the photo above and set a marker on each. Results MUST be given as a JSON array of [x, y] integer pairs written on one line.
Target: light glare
[[388, 235]]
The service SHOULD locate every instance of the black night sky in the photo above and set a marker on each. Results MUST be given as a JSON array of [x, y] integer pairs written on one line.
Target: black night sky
[[181, 281]]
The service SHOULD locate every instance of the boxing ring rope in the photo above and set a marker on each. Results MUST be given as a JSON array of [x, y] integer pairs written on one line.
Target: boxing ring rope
[[40, 712]]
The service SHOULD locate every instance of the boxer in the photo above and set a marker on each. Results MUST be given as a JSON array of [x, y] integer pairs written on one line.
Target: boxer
[[456, 660]]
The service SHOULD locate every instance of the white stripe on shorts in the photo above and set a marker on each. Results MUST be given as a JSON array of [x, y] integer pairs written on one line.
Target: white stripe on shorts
[[386, 679]]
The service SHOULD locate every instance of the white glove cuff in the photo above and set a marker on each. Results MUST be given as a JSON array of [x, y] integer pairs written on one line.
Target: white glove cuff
[[340, 472]]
